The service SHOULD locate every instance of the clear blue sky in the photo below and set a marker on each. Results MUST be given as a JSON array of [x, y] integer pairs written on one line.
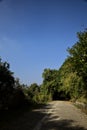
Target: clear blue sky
[[34, 34]]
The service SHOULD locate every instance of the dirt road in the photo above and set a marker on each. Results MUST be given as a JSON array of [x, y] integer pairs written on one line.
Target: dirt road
[[60, 115], [56, 115]]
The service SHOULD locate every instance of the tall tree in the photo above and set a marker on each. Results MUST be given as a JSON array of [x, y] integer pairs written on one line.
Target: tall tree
[[6, 82], [33, 92], [78, 57], [50, 82]]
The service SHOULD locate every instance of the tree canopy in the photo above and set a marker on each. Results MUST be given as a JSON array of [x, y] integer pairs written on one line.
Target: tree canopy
[[6, 82], [78, 57], [67, 82]]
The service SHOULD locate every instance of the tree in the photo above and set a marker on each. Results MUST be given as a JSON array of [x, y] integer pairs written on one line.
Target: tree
[[6, 83], [78, 57], [33, 92], [50, 83]]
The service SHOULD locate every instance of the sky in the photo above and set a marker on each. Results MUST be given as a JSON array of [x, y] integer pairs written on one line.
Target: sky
[[35, 34]]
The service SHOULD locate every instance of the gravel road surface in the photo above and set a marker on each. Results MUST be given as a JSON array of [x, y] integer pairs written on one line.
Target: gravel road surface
[[62, 115], [56, 115]]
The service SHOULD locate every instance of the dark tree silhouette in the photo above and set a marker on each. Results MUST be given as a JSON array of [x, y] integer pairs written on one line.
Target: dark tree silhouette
[[6, 83]]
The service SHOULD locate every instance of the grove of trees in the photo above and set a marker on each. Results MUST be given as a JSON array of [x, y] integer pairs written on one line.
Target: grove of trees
[[69, 82]]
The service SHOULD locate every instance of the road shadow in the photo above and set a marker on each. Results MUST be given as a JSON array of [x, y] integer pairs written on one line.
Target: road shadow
[[21, 119], [55, 123], [26, 119]]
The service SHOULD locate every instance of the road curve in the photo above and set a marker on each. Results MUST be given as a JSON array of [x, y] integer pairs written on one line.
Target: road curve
[[62, 115]]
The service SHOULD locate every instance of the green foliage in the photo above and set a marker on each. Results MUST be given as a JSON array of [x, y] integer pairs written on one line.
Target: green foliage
[[69, 82], [78, 58], [6, 83], [50, 83], [17, 99], [33, 92], [11, 92]]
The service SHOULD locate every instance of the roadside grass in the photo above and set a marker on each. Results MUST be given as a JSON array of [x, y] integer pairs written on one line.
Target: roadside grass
[[83, 108]]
